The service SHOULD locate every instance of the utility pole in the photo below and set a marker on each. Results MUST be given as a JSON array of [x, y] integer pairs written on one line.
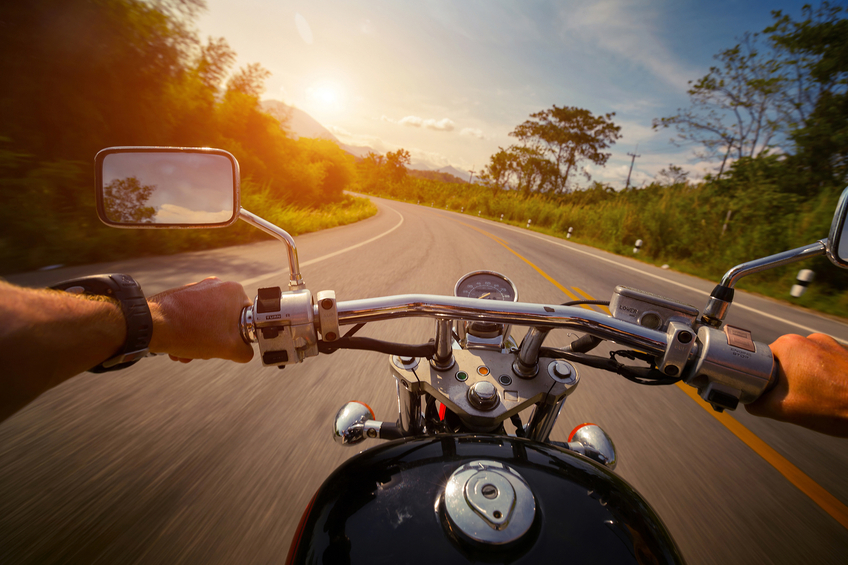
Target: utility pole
[[472, 175], [633, 160], [726, 155]]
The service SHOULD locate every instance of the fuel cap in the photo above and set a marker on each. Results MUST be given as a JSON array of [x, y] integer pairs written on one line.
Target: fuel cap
[[489, 503]]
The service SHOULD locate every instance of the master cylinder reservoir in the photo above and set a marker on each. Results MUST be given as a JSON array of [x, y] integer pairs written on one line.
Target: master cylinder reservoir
[[649, 310]]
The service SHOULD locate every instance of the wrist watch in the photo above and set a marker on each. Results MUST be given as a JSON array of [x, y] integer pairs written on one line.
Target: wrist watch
[[127, 291]]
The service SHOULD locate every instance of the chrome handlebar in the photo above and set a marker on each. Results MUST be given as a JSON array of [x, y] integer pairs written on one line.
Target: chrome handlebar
[[726, 370], [516, 313]]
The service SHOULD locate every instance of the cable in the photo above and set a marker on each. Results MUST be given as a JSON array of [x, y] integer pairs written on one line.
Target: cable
[[589, 302], [427, 350]]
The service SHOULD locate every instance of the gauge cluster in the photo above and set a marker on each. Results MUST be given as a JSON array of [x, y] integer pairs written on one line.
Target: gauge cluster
[[486, 285]]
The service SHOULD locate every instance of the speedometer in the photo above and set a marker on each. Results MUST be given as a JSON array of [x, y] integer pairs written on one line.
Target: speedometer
[[487, 285]]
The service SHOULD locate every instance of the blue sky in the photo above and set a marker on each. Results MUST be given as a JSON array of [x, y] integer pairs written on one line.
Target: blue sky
[[448, 80]]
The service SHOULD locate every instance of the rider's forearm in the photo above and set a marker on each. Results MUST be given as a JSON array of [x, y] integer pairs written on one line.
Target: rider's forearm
[[46, 337]]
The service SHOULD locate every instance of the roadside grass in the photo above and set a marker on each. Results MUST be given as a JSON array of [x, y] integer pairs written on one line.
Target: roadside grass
[[775, 284], [83, 240], [297, 220]]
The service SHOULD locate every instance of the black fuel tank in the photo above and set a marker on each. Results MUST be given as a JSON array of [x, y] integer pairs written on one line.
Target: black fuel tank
[[386, 505]]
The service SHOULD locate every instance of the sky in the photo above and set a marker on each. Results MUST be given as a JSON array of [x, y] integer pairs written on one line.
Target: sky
[[449, 80]]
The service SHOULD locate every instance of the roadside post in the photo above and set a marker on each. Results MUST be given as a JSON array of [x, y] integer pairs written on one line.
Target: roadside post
[[638, 246], [802, 281]]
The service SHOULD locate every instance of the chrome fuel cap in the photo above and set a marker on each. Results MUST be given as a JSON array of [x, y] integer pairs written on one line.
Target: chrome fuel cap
[[489, 502]]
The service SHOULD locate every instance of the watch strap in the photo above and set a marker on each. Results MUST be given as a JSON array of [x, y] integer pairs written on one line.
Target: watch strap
[[128, 293]]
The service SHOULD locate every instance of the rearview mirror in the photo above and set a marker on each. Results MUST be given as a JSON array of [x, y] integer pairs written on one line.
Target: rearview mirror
[[837, 240], [167, 187]]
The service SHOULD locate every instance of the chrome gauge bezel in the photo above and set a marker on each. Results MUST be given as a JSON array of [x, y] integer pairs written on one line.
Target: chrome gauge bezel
[[495, 274], [472, 334]]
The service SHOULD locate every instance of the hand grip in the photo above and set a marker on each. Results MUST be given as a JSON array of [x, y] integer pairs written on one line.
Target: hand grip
[[775, 376]]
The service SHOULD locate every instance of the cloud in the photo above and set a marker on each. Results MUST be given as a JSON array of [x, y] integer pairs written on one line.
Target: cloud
[[336, 130], [360, 140], [444, 124], [428, 159], [173, 214], [472, 132], [413, 121], [627, 29]]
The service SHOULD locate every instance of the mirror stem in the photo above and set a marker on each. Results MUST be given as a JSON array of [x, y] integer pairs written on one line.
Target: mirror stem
[[295, 279], [722, 295]]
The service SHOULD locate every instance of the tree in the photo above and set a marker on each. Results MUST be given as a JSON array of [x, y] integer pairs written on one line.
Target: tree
[[816, 50], [214, 62], [249, 81], [566, 137], [736, 107], [125, 199], [396, 162], [790, 95], [527, 170], [673, 175]]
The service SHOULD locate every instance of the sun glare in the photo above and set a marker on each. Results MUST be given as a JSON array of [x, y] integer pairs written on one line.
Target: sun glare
[[325, 98]]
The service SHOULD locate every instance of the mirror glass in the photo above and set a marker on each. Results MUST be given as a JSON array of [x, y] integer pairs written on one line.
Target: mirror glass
[[837, 241], [177, 188]]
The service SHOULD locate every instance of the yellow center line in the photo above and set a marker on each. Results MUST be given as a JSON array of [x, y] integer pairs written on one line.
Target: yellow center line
[[588, 296], [793, 474], [826, 501], [567, 292]]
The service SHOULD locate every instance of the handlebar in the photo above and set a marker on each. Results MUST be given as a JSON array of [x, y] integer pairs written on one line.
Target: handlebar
[[517, 313], [727, 367]]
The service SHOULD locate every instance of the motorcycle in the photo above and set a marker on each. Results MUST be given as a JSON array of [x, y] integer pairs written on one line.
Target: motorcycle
[[451, 473]]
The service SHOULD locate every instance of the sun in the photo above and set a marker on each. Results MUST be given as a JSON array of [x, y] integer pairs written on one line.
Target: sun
[[325, 98], [325, 95]]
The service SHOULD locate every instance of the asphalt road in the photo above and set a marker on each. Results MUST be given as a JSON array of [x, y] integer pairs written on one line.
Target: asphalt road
[[214, 462]]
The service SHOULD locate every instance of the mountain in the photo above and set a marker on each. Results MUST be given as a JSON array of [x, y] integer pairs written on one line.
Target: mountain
[[301, 124], [451, 170], [435, 175]]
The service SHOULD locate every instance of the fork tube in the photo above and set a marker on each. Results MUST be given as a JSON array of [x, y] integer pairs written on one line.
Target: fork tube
[[543, 420], [409, 410], [527, 363], [444, 355]]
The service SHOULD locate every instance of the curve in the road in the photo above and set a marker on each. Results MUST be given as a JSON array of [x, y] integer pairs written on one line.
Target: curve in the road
[[254, 280]]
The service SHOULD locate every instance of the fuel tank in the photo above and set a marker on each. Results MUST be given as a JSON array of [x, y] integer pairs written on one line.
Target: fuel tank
[[477, 499]]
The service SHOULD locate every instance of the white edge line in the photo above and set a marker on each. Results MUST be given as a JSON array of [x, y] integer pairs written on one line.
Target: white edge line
[[687, 287], [255, 280]]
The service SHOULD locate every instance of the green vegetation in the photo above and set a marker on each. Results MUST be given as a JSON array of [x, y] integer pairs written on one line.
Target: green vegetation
[[552, 145], [85, 75], [777, 116]]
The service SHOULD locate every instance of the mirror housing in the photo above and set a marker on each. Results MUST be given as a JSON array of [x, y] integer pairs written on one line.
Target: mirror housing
[[167, 187], [837, 239]]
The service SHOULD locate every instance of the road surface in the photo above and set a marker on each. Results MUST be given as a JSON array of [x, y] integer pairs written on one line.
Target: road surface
[[214, 462]]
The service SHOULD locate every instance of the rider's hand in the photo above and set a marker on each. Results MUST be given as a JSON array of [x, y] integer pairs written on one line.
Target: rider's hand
[[812, 387], [200, 321]]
